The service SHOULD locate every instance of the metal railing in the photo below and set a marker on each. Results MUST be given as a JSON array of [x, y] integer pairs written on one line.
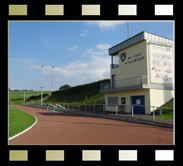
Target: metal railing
[[114, 66], [128, 82], [103, 109]]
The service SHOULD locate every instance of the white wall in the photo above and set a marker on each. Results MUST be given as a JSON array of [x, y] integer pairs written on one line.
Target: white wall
[[128, 94], [135, 68], [160, 97]]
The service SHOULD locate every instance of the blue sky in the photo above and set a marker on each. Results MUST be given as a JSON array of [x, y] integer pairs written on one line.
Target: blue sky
[[78, 50]]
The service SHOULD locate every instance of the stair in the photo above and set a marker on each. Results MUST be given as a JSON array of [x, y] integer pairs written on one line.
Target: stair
[[167, 103]]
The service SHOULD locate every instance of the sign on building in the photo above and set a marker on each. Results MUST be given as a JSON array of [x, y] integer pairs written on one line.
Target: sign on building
[[161, 64]]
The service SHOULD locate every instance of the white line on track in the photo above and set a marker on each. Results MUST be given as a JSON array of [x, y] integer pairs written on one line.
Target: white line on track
[[24, 130]]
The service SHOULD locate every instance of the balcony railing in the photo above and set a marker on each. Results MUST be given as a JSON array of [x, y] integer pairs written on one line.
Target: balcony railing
[[114, 66], [129, 82]]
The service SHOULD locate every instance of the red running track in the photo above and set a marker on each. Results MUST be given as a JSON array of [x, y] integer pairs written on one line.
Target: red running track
[[74, 129]]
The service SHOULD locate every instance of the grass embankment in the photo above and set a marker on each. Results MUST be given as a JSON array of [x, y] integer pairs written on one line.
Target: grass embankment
[[167, 113], [19, 121], [86, 93]]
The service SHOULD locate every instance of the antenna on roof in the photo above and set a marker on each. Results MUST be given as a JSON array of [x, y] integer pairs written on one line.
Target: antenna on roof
[[128, 30]]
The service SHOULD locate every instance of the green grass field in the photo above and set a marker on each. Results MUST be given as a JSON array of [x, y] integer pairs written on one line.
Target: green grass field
[[17, 97], [19, 121]]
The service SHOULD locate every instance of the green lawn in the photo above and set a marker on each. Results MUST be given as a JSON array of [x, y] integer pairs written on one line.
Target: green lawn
[[17, 97], [166, 114], [19, 121]]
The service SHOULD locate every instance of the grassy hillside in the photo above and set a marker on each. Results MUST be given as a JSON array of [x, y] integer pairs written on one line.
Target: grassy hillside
[[167, 113], [86, 93]]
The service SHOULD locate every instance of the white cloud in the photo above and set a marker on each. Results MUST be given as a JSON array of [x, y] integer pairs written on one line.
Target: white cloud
[[84, 33], [28, 63], [22, 62], [103, 46], [88, 51], [95, 68], [72, 48], [45, 38], [105, 25], [91, 70]]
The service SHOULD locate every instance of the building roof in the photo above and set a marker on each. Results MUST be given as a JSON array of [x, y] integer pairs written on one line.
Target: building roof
[[137, 38]]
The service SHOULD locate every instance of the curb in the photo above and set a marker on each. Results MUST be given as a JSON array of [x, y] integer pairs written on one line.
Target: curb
[[23, 130]]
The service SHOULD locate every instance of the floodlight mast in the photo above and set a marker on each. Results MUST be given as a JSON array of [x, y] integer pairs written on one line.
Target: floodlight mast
[[51, 79], [42, 86]]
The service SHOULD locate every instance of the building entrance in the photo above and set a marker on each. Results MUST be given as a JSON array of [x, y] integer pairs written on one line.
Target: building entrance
[[138, 100]]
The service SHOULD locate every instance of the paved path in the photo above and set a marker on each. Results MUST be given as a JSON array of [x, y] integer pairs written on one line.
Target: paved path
[[74, 129]]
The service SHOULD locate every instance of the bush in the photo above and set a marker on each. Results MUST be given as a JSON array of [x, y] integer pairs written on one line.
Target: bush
[[82, 93], [66, 86]]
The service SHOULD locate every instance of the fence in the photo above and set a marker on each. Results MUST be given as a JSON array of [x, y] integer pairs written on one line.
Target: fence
[[119, 110]]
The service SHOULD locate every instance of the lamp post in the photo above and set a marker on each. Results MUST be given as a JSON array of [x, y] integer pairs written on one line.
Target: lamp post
[[51, 79], [42, 86]]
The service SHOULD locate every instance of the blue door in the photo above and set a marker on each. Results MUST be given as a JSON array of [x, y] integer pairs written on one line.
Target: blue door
[[138, 100]]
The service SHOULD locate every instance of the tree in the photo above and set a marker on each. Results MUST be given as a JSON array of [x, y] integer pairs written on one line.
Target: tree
[[66, 86]]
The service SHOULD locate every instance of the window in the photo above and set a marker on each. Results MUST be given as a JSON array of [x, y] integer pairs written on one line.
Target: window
[[113, 81], [123, 100], [112, 100], [115, 61]]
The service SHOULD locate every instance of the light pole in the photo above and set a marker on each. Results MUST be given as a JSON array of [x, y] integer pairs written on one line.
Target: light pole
[[24, 92], [42, 86], [38, 87], [51, 79]]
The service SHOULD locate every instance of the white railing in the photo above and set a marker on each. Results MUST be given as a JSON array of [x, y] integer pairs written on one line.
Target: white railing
[[139, 80], [102, 108]]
